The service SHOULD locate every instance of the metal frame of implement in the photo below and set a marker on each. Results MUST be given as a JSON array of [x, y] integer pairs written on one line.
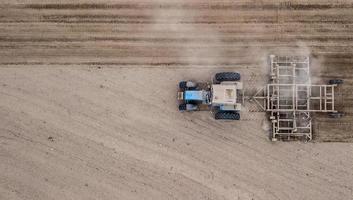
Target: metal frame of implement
[[290, 98]]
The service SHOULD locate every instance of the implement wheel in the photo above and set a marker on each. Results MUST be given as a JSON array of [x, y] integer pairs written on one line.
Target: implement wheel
[[335, 81], [336, 115], [223, 115], [227, 76]]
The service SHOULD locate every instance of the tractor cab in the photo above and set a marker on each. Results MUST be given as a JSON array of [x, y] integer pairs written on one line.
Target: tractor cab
[[225, 95]]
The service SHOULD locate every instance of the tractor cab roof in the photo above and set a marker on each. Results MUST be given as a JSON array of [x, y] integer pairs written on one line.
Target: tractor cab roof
[[224, 94]]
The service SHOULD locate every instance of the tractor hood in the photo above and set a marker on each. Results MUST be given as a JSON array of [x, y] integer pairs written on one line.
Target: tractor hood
[[197, 95]]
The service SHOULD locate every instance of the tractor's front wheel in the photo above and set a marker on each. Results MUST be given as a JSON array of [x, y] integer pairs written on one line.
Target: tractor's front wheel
[[182, 107], [182, 84], [188, 107], [187, 85]]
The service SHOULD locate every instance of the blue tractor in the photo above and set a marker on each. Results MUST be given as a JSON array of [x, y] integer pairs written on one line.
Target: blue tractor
[[222, 96]]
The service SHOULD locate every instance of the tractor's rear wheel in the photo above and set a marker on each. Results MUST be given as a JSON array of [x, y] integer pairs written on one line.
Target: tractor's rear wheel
[[227, 76], [227, 115]]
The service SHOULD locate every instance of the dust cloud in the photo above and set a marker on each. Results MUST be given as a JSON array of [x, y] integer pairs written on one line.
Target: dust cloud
[[193, 48]]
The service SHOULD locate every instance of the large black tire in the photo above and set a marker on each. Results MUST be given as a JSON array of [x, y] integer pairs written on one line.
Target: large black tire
[[227, 76], [182, 107], [335, 81], [227, 115]]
